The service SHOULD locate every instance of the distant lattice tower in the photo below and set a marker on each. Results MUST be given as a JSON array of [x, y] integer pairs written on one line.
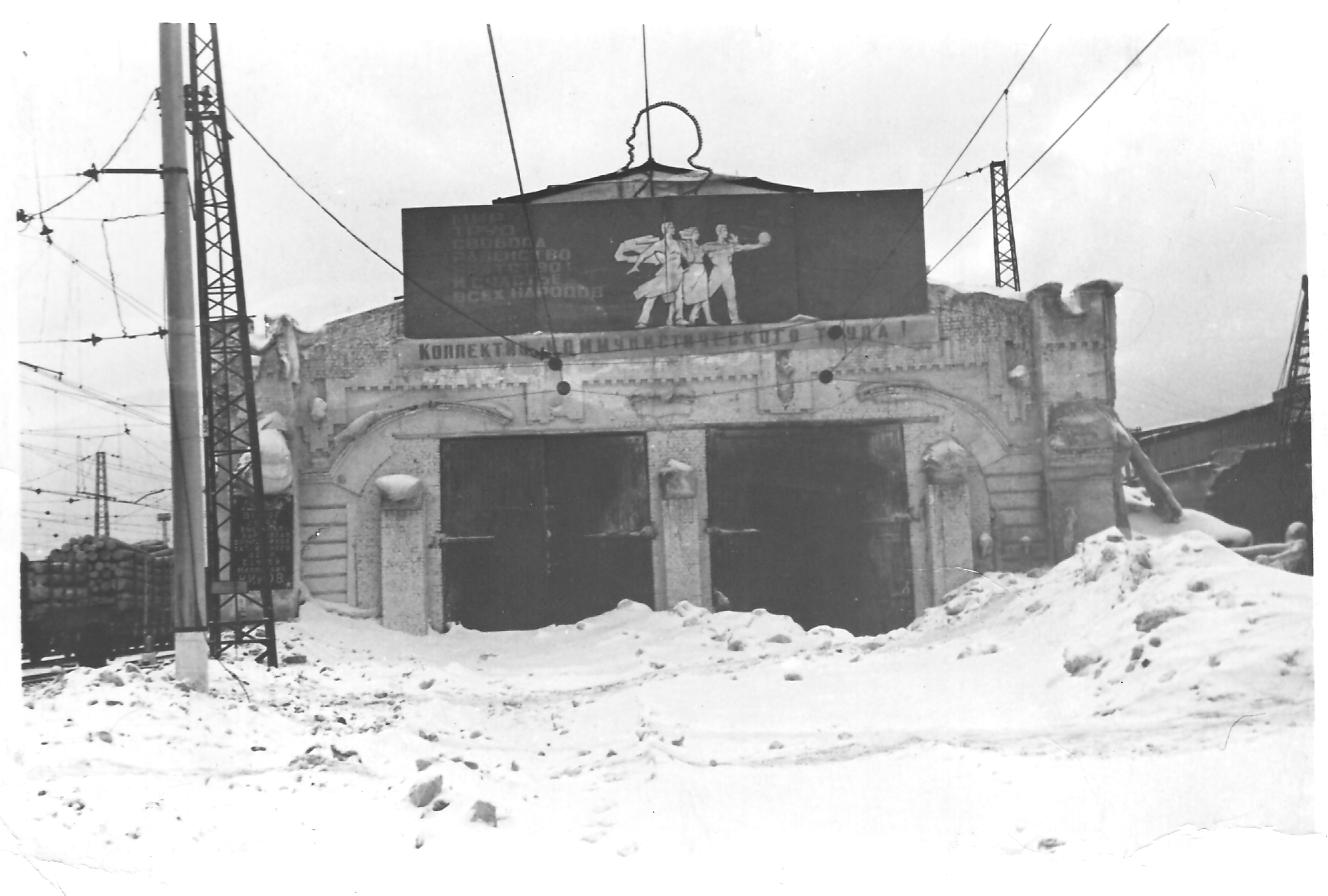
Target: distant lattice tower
[[1002, 228], [101, 515], [1293, 399]]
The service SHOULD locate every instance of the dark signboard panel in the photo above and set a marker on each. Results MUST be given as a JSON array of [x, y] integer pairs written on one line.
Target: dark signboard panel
[[621, 264], [246, 563]]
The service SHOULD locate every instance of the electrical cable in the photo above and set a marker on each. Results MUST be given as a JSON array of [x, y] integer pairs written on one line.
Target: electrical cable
[[1004, 93], [1007, 126], [93, 400], [1052, 146], [917, 220], [525, 207], [106, 220], [56, 432], [132, 301], [88, 495], [894, 246], [353, 235], [24, 217], [90, 393], [44, 453], [507, 119], [110, 267], [931, 268], [645, 78], [958, 177], [160, 332]]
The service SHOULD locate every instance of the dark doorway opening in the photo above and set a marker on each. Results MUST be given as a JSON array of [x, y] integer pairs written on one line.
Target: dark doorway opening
[[544, 530], [812, 522]]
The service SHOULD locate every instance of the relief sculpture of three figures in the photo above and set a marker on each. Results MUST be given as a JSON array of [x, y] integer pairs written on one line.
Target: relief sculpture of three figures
[[683, 281]]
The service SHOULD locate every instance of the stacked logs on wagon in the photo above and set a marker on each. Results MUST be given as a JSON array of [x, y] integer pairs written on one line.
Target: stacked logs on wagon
[[97, 597]]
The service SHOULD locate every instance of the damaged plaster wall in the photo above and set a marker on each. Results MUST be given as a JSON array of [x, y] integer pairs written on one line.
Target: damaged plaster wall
[[983, 371]]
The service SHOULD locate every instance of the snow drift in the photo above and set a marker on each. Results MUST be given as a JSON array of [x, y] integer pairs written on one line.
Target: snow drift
[[1138, 687]]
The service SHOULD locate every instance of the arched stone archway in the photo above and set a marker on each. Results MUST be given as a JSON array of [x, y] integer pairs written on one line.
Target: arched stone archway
[[401, 441], [960, 513], [968, 423]]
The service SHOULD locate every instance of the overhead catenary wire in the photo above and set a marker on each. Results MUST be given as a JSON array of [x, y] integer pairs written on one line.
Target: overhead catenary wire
[[110, 268], [645, 79], [507, 118], [25, 217], [110, 220], [91, 399], [93, 339], [540, 295], [931, 194], [105, 282], [353, 235], [76, 389], [917, 220], [987, 211], [1053, 143], [46, 453], [89, 495], [1004, 94], [959, 177]]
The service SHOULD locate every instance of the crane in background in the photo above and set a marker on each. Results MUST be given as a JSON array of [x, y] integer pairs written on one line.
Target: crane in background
[[1293, 398]]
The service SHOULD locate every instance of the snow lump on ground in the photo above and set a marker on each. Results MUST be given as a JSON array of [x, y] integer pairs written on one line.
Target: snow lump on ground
[[1139, 688]]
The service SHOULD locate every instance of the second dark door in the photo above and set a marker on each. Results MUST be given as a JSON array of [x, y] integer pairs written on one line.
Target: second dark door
[[812, 522]]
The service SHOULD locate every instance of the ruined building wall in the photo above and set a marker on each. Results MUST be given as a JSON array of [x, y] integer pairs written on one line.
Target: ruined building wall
[[978, 385]]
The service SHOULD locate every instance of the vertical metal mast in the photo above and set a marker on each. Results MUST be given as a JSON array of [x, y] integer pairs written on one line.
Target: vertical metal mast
[[239, 612], [101, 512], [1002, 229], [188, 591]]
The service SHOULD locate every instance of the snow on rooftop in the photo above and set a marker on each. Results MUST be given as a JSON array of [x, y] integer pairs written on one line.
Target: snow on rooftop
[[1139, 687], [1002, 292]]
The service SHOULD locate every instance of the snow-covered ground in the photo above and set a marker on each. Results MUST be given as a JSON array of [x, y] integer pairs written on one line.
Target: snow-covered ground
[[1141, 688]]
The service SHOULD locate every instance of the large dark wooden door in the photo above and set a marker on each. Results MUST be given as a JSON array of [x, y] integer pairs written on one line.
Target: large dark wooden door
[[544, 530], [812, 522]]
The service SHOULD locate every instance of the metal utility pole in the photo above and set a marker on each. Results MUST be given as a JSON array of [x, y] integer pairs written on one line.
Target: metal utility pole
[[1002, 228], [239, 594], [188, 592], [101, 505]]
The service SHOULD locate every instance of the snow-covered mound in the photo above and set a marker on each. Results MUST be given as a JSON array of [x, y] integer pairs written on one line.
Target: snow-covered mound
[[1177, 627], [1144, 521], [1138, 687]]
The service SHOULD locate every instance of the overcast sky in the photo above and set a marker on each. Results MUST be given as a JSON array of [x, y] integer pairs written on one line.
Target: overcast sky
[[1185, 181]]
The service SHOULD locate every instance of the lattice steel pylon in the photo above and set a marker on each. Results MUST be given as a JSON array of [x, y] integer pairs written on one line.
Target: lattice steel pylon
[[1002, 228], [239, 612], [101, 502], [1294, 396]]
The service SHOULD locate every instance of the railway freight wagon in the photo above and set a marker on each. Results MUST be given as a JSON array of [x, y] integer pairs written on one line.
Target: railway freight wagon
[[96, 598]]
